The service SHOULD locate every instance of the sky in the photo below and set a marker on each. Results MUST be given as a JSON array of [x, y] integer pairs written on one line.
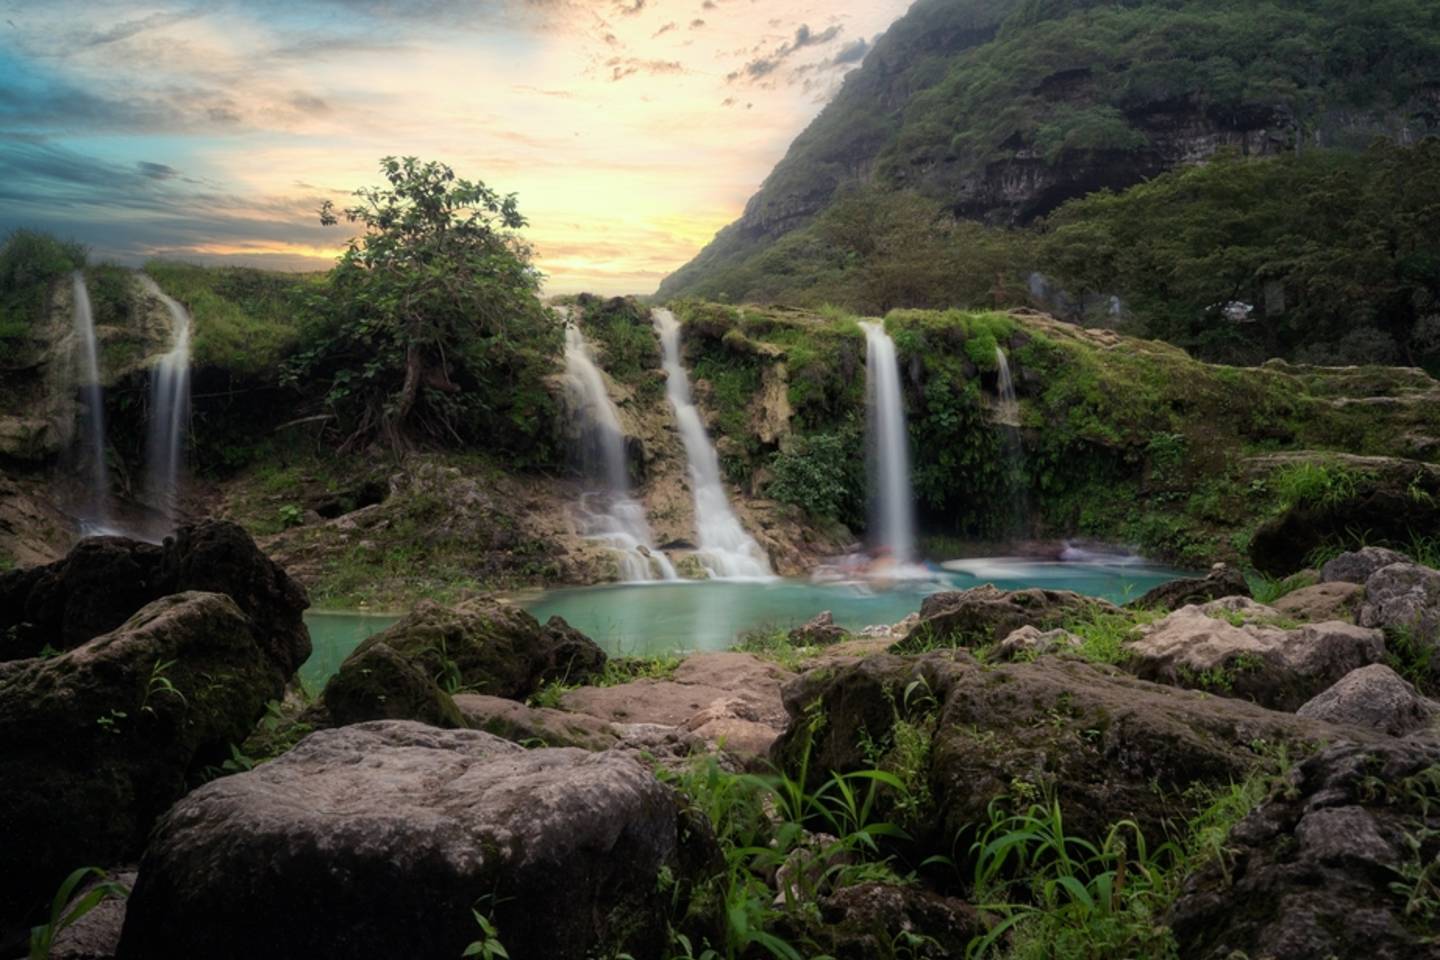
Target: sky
[[631, 130]]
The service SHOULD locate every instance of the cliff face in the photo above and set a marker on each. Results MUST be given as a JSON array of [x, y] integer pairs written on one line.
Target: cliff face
[[1001, 110]]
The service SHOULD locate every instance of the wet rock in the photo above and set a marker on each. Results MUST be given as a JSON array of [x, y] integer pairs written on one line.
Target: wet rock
[[1312, 868], [1223, 580], [1405, 597], [97, 742], [1357, 566], [984, 615], [819, 631], [377, 840], [408, 671], [104, 580], [1374, 697], [725, 698], [1324, 601], [1238, 648], [518, 723], [1112, 745], [1027, 643]]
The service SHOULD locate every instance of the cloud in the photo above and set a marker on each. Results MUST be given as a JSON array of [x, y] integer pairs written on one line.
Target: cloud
[[622, 67], [129, 28], [851, 53], [157, 171], [696, 24], [665, 29], [762, 67]]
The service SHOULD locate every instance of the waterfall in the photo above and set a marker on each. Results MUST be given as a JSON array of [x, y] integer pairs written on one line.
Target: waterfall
[[169, 410], [892, 508], [1007, 415], [726, 550], [92, 448], [612, 518]]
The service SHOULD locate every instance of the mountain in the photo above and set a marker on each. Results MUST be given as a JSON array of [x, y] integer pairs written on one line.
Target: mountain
[[999, 111]]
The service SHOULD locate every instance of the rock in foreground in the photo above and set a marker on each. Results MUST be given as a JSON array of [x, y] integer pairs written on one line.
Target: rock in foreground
[[96, 743], [1377, 698], [1321, 868], [377, 840]]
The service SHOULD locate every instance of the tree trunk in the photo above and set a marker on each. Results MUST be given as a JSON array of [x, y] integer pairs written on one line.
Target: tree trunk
[[394, 422]]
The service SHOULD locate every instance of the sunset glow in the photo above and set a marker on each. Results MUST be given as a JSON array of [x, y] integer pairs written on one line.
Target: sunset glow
[[631, 131]]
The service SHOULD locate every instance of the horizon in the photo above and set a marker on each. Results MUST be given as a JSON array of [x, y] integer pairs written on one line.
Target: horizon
[[212, 134]]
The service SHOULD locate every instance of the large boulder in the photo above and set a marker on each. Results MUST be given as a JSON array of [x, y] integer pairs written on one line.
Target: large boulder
[[1357, 565], [377, 841], [1320, 869], [97, 742], [1223, 580], [1405, 597], [410, 670], [1238, 648], [104, 580], [985, 615], [1337, 600], [1375, 697], [819, 631], [1110, 745], [518, 723]]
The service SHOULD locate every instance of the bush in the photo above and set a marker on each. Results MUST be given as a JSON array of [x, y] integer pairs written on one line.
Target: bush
[[30, 263], [824, 475]]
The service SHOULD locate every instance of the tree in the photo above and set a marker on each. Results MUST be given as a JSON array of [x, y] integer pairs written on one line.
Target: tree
[[431, 319]]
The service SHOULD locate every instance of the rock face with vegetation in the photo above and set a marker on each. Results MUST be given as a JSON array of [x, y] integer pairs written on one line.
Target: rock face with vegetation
[[1239, 648], [985, 615], [1306, 870], [402, 830], [410, 670], [98, 741]]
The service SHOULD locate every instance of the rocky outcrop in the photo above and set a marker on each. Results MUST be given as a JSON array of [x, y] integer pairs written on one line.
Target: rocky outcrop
[[105, 580], [730, 700], [819, 631], [1357, 565], [1238, 648], [984, 615], [1405, 597], [97, 742], [1324, 601], [1111, 745], [1374, 697], [1222, 581], [409, 671], [400, 830], [1322, 868], [1027, 643]]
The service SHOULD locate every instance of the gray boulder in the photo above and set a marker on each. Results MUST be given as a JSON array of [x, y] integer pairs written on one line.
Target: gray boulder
[[1337, 600], [819, 631], [529, 725], [1358, 565], [377, 841], [1223, 580], [1311, 872], [984, 615], [96, 743], [1404, 597], [1238, 648], [1375, 697], [1027, 643]]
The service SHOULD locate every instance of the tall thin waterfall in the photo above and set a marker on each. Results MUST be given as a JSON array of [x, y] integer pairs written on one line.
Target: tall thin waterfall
[[892, 507], [92, 446], [169, 416], [726, 550], [611, 517], [1008, 416]]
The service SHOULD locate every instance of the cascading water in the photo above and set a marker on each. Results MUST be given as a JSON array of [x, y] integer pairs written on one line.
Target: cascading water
[[95, 518], [169, 410], [1008, 417], [726, 550], [612, 517], [892, 508]]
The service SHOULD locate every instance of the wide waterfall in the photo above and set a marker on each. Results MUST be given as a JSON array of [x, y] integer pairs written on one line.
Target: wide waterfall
[[725, 549], [169, 412], [1008, 417], [892, 508], [95, 516], [612, 516]]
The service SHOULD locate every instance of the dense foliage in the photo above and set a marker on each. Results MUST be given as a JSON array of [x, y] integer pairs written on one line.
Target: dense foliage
[[430, 327], [30, 263], [1337, 255]]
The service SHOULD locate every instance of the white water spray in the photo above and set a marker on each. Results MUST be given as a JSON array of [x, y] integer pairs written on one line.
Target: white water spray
[[169, 417], [726, 550], [1008, 416], [92, 448], [892, 508], [612, 518]]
